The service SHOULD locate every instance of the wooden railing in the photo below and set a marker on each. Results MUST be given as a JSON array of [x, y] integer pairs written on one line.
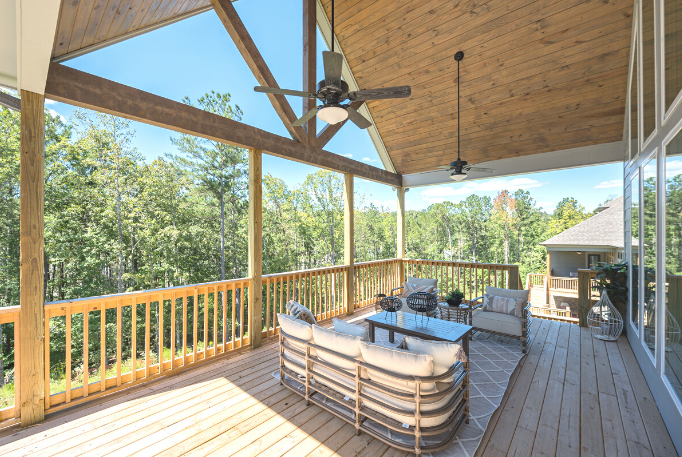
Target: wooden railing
[[97, 345], [563, 284], [375, 277], [9, 323], [470, 278], [535, 280]]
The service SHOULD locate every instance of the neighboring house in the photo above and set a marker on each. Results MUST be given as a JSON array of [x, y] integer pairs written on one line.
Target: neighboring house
[[597, 239]]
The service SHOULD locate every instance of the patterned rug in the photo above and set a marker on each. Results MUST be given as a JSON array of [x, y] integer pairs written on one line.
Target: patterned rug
[[492, 361]]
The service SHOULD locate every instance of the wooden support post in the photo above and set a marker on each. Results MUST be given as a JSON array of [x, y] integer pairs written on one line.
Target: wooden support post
[[348, 244], [514, 278], [310, 64], [400, 251], [549, 275], [32, 313], [256, 246], [584, 295]]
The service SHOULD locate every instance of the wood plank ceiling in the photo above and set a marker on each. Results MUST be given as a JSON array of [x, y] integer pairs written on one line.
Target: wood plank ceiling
[[538, 75], [83, 23]]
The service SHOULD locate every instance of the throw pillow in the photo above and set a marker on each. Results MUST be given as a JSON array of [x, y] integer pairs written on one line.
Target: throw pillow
[[445, 354], [520, 295], [502, 305], [299, 311], [344, 327], [409, 289]]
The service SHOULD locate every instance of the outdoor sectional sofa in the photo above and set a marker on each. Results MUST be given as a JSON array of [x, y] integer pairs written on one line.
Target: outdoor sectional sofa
[[412, 400]]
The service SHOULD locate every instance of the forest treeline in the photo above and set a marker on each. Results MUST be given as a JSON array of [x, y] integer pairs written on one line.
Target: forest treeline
[[115, 223]]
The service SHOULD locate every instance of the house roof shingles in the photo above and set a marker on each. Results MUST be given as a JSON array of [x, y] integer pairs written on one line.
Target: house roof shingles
[[603, 229]]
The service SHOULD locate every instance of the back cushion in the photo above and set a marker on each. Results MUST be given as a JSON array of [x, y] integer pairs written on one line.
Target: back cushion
[[338, 342], [399, 362], [342, 326], [445, 354], [520, 295], [422, 282], [298, 329]]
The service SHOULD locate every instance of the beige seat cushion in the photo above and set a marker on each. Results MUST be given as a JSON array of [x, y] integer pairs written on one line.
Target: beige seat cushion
[[445, 354], [342, 326], [298, 329], [399, 362], [338, 342], [497, 322]]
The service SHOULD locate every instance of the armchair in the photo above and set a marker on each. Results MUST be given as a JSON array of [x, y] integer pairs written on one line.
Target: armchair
[[501, 323], [417, 282]]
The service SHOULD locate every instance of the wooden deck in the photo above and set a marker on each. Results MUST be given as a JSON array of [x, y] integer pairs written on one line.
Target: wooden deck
[[570, 395]]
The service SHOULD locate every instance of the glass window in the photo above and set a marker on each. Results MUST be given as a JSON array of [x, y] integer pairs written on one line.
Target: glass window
[[592, 260], [634, 252], [673, 263], [649, 253], [648, 68], [673, 50], [634, 132]]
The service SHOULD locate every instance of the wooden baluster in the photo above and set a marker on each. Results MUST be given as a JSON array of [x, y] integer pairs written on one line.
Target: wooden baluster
[[224, 318], [184, 327], [241, 313], [85, 350], [68, 353], [205, 322], [194, 324], [281, 295], [234, 301], [147, 336], [215, 320], [160, 332], [17, 402], [266, 283], [173, 334], [133, 349], [103, 347], [118, 342]]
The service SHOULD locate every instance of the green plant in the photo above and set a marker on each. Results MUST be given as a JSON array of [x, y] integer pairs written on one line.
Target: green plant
[[613, 277], [455, 295]]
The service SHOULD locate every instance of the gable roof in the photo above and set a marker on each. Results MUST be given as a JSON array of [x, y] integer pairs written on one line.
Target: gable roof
[[603, 229]]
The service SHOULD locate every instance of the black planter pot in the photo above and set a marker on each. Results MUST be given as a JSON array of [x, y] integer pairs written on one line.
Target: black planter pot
[[455, 301]]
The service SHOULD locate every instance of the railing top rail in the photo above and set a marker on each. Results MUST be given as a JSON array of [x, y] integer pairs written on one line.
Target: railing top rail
[[10, 309], [370, 262], [298, 272], [138, 293], [501, 265]]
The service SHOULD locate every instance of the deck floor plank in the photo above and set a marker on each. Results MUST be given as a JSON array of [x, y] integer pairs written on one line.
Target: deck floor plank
[[570, 393]]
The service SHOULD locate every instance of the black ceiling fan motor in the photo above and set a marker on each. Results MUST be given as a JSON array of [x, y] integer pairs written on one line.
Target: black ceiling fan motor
[[331, 94]]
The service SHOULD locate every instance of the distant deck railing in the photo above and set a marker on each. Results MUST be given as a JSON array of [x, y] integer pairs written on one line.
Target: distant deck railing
[[151, 333]]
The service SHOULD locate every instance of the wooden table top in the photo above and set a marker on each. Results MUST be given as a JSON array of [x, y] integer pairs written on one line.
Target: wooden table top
[[430, 329]]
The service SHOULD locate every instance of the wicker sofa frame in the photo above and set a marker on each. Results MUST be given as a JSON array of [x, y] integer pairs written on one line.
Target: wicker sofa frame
[[526, 322], [458, 406]]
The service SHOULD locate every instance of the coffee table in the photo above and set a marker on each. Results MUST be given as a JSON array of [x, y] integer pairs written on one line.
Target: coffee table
[[406, 324]]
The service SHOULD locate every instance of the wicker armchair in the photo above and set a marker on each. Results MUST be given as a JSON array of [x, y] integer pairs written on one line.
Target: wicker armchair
[[501, 324]]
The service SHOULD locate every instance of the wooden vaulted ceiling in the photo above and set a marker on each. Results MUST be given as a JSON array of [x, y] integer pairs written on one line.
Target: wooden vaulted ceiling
[[84, 23], [537, 76]]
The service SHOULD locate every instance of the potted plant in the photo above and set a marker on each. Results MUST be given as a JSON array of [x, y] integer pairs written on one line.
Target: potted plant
[[454, 298]]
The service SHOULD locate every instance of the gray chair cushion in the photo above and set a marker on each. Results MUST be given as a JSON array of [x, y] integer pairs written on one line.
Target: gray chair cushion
[[508, 293], [497, 322]]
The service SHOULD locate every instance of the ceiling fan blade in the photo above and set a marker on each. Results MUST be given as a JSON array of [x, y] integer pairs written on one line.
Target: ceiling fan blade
[[357, 118], [444, 167], [381, 94], [303, 119], [333, 62], [480, 170], [272, 90]]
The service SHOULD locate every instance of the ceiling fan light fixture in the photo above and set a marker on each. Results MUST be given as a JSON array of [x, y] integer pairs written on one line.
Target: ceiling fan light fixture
[[458, 175], [332, 114]]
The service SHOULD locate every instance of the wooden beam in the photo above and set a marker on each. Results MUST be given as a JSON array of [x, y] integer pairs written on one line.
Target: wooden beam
[[310, 65], [330, 130], [548, 276], [348, 245], [400, 251], [255, 246], [31, 315], [82, 89], [248, 49]]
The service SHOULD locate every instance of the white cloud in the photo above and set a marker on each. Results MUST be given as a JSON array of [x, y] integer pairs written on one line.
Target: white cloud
[[367, 159], [56, 114], [348, 155], [50, 102], [548, 207], [438, 194], [612, 184]]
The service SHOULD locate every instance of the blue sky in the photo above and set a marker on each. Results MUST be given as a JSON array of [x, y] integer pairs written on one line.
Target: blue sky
[[196, 55]]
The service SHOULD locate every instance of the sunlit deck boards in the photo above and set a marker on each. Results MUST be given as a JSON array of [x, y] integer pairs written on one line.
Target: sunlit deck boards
[[570, 392]]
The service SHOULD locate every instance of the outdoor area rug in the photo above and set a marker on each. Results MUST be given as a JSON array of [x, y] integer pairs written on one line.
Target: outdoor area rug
[[492, 361]]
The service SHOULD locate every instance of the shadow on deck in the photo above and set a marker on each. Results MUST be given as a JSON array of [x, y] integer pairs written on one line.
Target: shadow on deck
[[570, 395]]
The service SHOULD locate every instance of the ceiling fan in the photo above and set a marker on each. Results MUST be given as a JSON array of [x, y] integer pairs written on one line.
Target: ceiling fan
[[332, 91], [459, 167]]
